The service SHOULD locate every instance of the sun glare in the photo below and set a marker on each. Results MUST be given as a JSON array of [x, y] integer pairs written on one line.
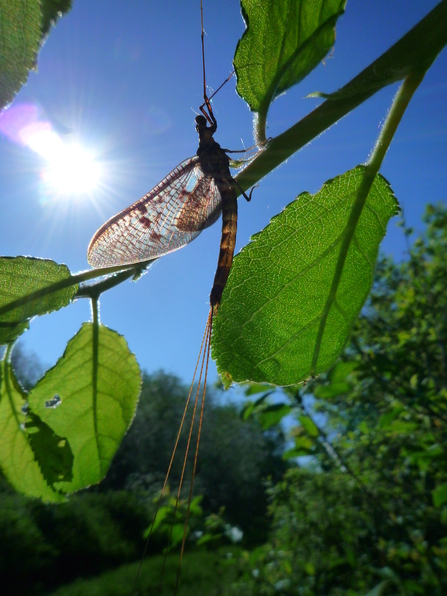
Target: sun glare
[[68, 170], [71, 170]]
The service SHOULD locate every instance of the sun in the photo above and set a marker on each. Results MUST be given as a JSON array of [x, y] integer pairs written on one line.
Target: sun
[[68, 170], [71, 170]]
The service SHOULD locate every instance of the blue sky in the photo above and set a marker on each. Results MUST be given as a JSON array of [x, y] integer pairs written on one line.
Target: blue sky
[[123, 79]]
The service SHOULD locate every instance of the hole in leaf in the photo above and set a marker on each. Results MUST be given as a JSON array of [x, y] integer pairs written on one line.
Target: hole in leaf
[[54, 402]]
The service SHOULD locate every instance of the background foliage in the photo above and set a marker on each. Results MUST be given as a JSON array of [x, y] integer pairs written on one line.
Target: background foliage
[[304, 277], [370, 507]]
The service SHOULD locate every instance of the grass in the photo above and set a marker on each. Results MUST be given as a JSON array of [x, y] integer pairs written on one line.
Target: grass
[[202, 572]]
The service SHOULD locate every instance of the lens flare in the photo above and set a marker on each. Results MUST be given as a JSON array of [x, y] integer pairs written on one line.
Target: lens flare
[[69, 169]]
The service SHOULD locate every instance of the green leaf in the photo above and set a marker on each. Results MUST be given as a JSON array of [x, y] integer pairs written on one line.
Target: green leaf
[[332, 390], [195, 507], [295, 291], [309, 425], [439, 495], [162, 514], [177, 534], [284, 41], [309, 568], [303, 446], [98, 382], [364, 428], [20, 40], [418, 457], [272, 415], [52, 10], [251, 406], [387, 419], [207, 538], [381, 589], [338, 385], [414, 52], [303, 442], [20, 277], [341, 370], [17, 459], [23, 24], [402, 427], [254, 388], [52, 452]]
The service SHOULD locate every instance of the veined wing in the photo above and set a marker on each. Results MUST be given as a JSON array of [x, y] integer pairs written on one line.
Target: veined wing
[[172, 214]]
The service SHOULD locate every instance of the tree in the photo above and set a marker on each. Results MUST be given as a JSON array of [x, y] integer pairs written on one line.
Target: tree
[[235, 459], [268, 313], [373, 506]]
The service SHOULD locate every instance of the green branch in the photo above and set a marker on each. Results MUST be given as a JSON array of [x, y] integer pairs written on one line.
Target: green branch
[[413, 53], [71, 281]]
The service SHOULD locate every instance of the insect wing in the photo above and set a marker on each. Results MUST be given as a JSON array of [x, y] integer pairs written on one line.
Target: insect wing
[[172, 214]]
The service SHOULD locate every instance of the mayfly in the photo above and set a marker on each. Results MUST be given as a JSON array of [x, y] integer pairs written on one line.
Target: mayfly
[[172, 214], [190, 199]]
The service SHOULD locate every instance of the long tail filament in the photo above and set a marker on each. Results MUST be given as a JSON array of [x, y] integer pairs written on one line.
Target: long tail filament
[[203, 358]]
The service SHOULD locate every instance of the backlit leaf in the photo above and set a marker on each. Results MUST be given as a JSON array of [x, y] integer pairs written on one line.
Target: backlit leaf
[[98, 392], [17, 459], [19, 277], [52, 452], [20, 35], [283, 42], [23, 24], [52, 10], [294, 292]]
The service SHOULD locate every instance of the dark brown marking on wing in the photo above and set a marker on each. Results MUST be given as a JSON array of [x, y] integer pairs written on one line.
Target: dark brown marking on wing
[[141, 207], [147, 223], [148, 228], [195, 213]]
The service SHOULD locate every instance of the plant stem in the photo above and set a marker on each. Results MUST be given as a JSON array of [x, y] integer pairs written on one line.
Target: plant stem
[[95, 363], [411, 55], [400, 104]]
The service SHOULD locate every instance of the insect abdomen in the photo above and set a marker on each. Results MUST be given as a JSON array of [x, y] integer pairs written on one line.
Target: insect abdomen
[[228, 240]]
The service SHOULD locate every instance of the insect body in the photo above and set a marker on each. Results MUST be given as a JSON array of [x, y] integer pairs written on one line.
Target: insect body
[[214, 161], [175, 211]]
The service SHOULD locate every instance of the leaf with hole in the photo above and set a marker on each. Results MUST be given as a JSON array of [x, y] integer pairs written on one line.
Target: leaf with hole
[[98, 382]]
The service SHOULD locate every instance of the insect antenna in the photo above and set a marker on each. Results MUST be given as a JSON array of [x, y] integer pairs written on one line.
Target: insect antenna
[[209, 115]]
